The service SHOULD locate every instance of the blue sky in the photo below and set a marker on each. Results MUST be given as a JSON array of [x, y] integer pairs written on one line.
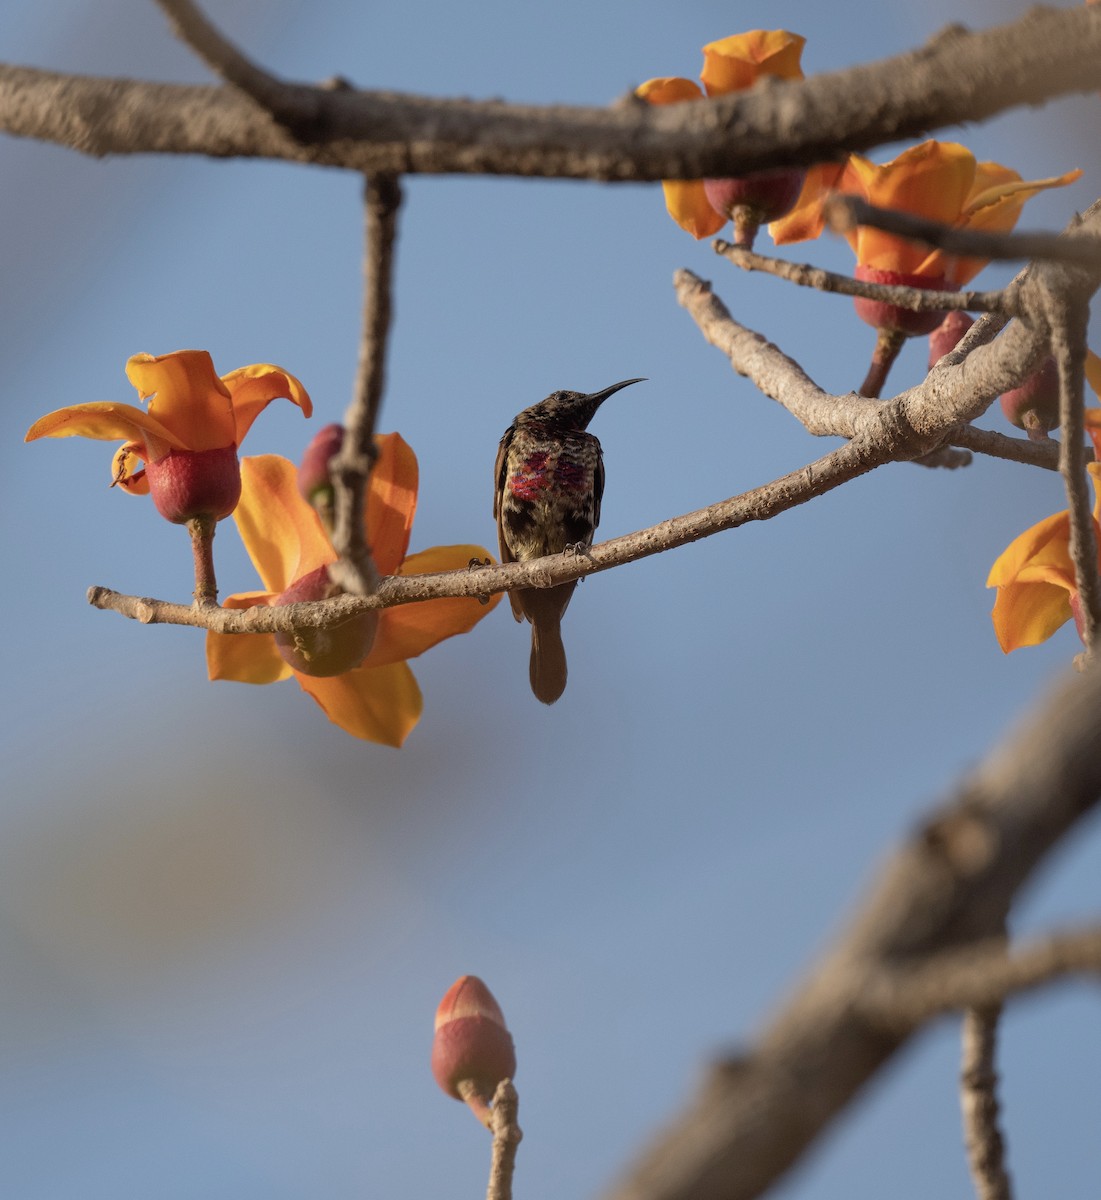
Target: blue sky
[[225, 925]]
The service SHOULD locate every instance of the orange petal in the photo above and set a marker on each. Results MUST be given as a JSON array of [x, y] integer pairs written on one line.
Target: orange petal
[[127, 471], [684, 198], [391, 502], [252, 389], [409, 629], [186, 396], [106, 421], [1093, 426], [805, 221], [1044, 544], [688, 205], [282, 533], [1026, 614], [377, 704], [668, 89], [1093, 373], [932, 180], [245, 657], [994, 206], [735, 63]]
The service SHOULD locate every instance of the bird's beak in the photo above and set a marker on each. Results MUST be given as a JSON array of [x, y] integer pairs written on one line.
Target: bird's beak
[[600, 397]]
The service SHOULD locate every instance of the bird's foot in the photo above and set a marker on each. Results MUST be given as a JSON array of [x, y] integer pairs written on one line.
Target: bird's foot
[[476, 564]]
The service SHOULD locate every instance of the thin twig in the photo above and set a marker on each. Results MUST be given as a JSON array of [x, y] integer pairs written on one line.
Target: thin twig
[[291, 104], [981, 975], [506, 1139], [1068, 345], [1012, 449], [844, 213], [806, 275], [982, 1134], [351, 468]]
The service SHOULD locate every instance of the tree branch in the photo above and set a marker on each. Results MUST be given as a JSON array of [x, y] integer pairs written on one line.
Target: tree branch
[[506, 1140], [981, 975], [957, 77], [949, 886], [805, 275], [351, 468], [845, 213], [291, 105], [982, 1134]]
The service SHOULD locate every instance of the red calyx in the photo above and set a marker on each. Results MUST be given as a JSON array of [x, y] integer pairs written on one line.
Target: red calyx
[[324, 652], [755, 199], [313, 474], [1034, 406], [946, 337], [186, 484], [881, 315]]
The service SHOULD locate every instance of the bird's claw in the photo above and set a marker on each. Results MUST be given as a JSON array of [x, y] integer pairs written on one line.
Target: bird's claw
[[476, 564]]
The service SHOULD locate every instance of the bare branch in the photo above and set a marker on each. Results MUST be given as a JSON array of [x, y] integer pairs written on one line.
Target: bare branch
[[845, 213], [506, 1139], [1012, 449], [982, 975], [916, 299], [982, 1134], [351, 468], [958, 77], [839, 466], [949, 886], [1068, 344], [290, 104]]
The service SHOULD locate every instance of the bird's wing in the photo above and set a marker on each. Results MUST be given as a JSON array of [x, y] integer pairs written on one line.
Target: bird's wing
[[598, 487], [498, 491]]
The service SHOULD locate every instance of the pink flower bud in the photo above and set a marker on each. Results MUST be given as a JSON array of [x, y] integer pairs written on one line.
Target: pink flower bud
[[472, 1050], [186, 484], [947, 335], [1034, 406], [881, 315], [324, 652], [313, 474]]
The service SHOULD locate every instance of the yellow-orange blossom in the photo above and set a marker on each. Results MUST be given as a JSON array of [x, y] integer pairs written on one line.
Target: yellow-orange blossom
[[731, 64], [1034, 575], [941, 181], [379, 700], [189, 434]]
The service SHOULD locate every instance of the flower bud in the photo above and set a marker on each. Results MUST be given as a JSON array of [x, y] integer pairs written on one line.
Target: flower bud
[[324, 652], [1034, 406], [472, 1050], [313, 474], [189, 484], [881, 315], [753, 200], [947, 335]]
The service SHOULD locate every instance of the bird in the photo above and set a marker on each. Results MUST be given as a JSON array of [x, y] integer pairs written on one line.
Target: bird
[[548, 483]]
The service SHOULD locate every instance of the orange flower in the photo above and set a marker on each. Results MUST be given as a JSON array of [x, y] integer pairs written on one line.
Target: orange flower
[[937, 180], [188, 436], [940, 181], [374, 697], [731, 65], [1034, 575]]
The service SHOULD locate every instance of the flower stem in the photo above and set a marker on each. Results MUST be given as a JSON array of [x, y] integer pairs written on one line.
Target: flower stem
[[202, 546], [746, 225], [888, 343]]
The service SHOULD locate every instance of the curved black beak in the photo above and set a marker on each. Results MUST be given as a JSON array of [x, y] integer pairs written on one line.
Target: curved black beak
[[600, 397]]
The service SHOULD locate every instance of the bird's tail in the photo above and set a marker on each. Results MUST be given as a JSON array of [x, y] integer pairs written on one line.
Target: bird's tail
[[548, 659], [544, 607]]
